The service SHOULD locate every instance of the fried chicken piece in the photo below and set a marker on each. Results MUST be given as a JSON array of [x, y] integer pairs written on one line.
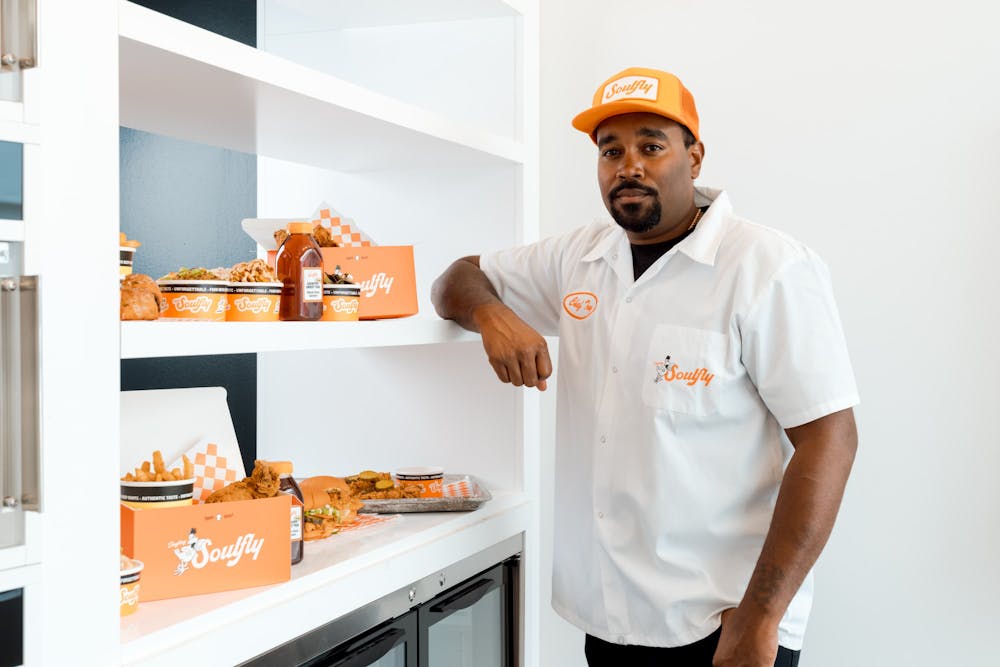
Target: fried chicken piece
[[323, 237], [263, 482], [140, 298]]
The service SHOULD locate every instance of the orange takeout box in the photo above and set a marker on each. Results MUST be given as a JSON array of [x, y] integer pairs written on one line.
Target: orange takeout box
[[384, 273], [210, 547]]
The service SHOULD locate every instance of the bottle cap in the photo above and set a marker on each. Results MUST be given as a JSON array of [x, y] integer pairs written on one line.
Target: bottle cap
[[300, 228], [282, 467]]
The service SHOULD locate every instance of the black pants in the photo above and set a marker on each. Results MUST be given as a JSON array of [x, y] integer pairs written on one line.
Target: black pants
[[603, 654]]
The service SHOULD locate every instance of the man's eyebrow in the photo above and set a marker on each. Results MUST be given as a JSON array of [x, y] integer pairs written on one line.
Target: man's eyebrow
[[652, 132], [608, 138]]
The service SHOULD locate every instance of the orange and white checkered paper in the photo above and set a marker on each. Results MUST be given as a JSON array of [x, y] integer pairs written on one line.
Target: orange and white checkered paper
[[213, 469], [368, 521], [459, 489], [343, 233]]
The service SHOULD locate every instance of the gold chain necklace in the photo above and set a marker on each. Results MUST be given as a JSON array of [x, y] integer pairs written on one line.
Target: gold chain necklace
[[697, 217]]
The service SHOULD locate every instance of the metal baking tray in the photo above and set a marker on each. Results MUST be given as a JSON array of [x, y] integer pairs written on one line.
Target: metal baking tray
[[479, 495]]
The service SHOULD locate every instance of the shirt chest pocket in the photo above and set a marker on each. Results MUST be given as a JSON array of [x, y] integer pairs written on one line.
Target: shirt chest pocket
[[685, 373]]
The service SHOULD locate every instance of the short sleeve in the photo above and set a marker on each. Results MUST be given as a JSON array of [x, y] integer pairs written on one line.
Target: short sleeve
[[527, 279], [793, 345]]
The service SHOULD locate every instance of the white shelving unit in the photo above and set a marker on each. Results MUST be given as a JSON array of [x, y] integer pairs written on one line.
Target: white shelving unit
[[450, 184]]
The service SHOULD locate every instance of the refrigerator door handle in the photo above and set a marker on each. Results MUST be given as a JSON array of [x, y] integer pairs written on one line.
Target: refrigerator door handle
[[369, 652], [466, 597], [18, 34], [31, 477], [10, 391]]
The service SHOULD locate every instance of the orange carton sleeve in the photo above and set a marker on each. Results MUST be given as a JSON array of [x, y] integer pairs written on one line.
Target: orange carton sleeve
[[209, 547]]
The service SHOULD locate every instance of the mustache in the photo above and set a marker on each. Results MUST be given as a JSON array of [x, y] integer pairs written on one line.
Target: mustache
[[631, 185]]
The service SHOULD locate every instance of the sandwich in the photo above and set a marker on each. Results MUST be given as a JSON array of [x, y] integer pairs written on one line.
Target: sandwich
[[329, 504]]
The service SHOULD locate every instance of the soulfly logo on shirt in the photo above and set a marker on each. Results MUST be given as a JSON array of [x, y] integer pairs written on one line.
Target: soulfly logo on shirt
[[580, 305], [668, 371]]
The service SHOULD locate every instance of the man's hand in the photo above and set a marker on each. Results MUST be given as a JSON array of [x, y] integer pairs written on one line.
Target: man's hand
[[747, 640], [518, 354]]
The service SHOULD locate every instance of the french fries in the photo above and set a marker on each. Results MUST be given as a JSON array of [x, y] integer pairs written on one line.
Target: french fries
[[157, 471]]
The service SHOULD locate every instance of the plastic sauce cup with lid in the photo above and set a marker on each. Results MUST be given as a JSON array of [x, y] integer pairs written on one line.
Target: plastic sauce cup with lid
[[429, 477], [128, 589], [126, 257]]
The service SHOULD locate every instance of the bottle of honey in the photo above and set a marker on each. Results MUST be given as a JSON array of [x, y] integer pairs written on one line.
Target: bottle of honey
[[300, 269], [287, 484]]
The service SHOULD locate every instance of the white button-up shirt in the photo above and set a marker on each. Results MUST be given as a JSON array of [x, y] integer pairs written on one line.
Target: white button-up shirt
[[673, 393]]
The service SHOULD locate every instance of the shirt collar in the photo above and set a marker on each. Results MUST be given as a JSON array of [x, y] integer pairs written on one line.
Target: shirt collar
[[703, 243]]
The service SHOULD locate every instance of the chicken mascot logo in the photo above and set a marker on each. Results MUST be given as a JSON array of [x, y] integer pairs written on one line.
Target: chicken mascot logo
[[188, 550]]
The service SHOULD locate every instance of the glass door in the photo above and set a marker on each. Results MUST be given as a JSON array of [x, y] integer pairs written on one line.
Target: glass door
[[471, 625], [391, 644], [12, 628]]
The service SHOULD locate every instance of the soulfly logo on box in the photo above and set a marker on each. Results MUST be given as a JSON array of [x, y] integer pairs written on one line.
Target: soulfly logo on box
[[378, 281], [197, 552]]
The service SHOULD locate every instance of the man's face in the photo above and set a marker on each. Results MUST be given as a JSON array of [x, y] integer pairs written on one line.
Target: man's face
[[647, 175]]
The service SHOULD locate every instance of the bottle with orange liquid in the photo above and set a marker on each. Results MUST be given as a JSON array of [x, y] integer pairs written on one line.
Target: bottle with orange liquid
[[300, 269], [287, 484]]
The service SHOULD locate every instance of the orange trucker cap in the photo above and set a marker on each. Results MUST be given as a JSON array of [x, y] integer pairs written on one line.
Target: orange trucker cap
[[639, 89]]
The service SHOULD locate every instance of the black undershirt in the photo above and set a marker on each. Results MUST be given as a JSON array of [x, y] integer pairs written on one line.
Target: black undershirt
[[644, 256]]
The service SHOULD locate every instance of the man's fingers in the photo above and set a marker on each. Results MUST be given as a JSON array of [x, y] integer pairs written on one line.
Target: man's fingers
[[501, 370], [543, 363], [529, 371]]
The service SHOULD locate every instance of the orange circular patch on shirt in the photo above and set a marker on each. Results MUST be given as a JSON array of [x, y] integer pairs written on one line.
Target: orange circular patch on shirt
[[580, 305]]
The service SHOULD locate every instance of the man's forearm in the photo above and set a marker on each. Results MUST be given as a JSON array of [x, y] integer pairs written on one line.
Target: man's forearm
[[807, 506], [461, 289], [518, 354]]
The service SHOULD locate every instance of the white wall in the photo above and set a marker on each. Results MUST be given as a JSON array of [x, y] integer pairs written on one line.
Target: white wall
[[870, 130]]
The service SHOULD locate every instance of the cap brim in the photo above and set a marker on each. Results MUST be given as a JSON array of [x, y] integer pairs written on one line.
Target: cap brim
[[588, 121]]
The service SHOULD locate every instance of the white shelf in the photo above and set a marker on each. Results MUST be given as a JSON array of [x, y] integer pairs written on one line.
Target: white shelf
[[337, 576], [213, 90], [172, 338], [288, 16], [11, 230]]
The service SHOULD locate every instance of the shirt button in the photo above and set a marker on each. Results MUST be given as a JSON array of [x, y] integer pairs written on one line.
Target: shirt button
[[604, 439], [621, 639], [628, 299], [614, 256], [614, 369], [600, 515]]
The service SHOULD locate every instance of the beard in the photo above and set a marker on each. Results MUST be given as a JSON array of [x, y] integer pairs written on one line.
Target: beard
[[630, 217]]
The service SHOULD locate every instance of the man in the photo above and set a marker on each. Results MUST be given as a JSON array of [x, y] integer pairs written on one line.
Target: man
[[705, 431]]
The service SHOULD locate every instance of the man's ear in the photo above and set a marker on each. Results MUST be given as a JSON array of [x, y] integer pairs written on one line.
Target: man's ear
[[696, 153]]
